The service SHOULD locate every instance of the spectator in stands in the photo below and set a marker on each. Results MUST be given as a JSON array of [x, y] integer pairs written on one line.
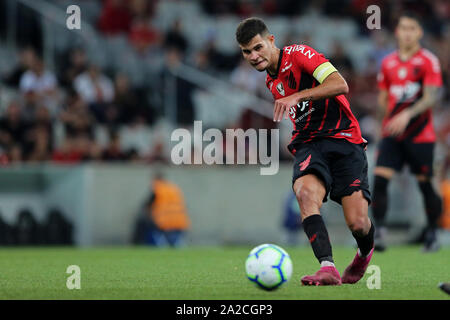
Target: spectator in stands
[[12, 130], [96, 89], [76, 65], [175, 38], [136, 136], [38, 86], [113, 151], [68, 152], [219, 60], [141, 8], [183, 112], [27, 57], [76, 117], [341, 61], [38, 138], [127, 100], [76, 149], [115, 18], [247, 78], [382, 46], [142, 35]]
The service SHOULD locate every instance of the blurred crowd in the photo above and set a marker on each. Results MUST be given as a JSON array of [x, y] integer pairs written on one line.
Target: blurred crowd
[[56, 113]]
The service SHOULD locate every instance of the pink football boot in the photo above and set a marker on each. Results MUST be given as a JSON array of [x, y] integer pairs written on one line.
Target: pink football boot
[[326, 276], [357, 268]]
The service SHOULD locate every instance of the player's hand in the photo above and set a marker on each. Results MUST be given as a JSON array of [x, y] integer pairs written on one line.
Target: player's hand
[[281, 107], [365, 143], [398, 123]]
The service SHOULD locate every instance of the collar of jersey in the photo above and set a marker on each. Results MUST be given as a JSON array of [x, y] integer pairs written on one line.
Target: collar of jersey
[[278, 67], [410, 58]]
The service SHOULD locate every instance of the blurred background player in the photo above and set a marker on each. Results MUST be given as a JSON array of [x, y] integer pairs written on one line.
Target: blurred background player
[[408, 80], [292, 221], [326, 142]]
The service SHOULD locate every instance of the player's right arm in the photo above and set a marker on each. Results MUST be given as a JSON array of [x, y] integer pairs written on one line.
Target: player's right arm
[[383, 95], [382, 103], [331, 83]]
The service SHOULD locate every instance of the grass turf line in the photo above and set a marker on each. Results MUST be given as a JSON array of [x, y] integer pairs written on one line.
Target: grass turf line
[[216, 273]]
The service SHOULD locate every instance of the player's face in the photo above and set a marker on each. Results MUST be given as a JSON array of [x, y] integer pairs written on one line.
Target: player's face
[[258, 51], [408, 32]]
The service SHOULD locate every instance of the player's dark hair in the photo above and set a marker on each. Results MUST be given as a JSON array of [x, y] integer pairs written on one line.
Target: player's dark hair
[[410, 15], [249, 28]]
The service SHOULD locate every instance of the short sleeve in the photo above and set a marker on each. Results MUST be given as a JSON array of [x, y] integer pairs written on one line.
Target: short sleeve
[[312, 62], [432, 74]]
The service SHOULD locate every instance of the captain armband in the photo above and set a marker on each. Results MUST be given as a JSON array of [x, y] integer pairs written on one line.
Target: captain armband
[[323, 71]]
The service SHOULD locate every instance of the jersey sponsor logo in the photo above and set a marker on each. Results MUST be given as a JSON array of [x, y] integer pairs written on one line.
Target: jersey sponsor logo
[[280, 88], [301, 49], [292, 112], [286, 68], [405, 92], [402, 73], [303, 165], [304, 105], [306, 113], [295, 111]]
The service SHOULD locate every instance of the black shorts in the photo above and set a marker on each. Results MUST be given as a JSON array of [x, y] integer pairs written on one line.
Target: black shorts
[[394, 154], [340, 164]]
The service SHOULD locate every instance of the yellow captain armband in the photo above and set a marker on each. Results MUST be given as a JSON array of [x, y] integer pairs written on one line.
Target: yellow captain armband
[[323, 71]]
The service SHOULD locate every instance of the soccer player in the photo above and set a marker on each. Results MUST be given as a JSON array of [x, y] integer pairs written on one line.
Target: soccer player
[[408, 82], [326, 143]]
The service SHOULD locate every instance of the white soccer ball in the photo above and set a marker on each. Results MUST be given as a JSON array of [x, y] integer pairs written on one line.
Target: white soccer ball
[[269, 266]]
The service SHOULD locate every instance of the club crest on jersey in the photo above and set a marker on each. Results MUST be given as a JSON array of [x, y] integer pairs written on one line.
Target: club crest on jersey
[[280, 88], [402, 72]]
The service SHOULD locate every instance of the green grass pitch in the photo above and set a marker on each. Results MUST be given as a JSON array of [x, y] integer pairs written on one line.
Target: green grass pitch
[[215, 273]]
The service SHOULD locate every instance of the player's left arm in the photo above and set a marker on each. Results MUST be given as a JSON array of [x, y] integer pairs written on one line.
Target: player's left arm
[[331, 84], [428, 100], [399, 122]]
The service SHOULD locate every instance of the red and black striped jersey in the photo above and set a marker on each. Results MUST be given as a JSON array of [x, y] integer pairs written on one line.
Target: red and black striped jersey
[[404, 81], [301, 67]]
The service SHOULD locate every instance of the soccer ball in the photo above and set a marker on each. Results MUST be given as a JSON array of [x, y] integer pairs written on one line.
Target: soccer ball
[[269, 266]]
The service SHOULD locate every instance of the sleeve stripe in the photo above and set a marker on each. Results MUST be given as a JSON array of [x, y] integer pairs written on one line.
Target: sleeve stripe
[[323, 71]]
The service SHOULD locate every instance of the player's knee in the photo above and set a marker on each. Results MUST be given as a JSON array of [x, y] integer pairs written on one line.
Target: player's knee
[[384, 172], [359, 224], [307, 196]]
